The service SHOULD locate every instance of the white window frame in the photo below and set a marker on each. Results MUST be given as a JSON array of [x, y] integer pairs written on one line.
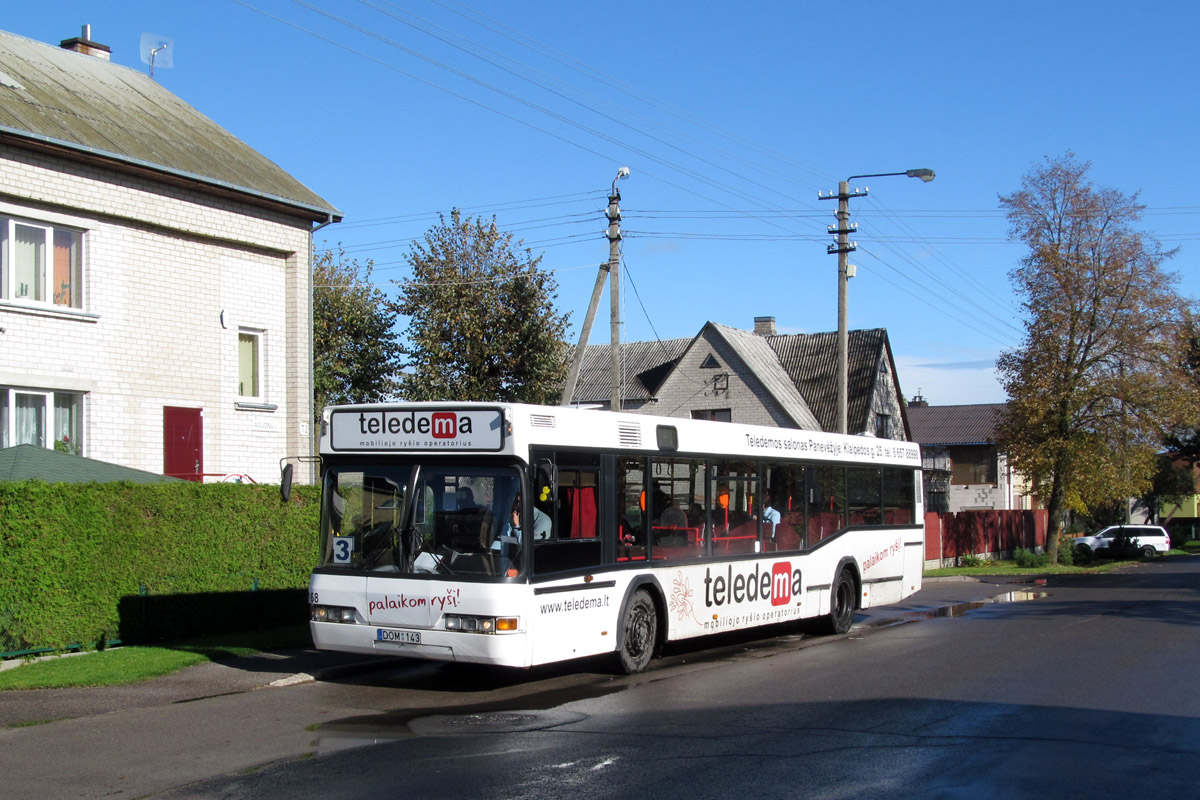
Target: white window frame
[[47, 399], [259, 338], [10, 285], [47, 435]]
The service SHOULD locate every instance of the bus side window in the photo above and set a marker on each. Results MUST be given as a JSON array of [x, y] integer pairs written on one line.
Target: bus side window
[[677, 530], [787, 488], [631, 506], [578, 504], [826, 501], [574, 506]]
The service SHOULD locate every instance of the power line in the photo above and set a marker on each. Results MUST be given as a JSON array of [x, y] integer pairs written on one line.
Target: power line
[[514, 205], [764, 211]]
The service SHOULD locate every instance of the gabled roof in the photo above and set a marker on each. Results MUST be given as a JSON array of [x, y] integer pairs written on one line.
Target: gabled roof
[[765, 365], [85, 107], [811, 362], [30, 462], [798, 369], [951, 425], [645, 365]]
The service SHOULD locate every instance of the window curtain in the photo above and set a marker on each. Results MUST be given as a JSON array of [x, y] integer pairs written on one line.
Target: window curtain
[[68, 270], [29, 257], [30, 419]]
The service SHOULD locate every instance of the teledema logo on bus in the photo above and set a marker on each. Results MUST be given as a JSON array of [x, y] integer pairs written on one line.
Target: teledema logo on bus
[[408, 429]]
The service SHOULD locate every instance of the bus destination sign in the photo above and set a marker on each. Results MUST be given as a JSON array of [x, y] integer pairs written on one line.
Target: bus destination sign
[[417, 429]]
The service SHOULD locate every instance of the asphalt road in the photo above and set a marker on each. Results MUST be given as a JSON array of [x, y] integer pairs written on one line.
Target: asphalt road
[[1083, 692]]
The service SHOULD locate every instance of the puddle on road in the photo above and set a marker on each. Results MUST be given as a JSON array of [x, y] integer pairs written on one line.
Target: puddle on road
[[514, 714], [960, 609]]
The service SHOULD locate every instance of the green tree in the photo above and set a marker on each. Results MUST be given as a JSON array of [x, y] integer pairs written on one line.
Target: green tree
[[356, 351], [1097, 381], [481, 318], [1175, 479], [1172, 483]]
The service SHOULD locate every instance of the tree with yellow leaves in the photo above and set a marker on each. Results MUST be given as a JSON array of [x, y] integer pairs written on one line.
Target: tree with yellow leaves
[[1098, 380]]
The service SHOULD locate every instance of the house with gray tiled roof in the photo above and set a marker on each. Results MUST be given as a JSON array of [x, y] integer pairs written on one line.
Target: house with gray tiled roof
[[759, 377], [155, 293], [963, 470]]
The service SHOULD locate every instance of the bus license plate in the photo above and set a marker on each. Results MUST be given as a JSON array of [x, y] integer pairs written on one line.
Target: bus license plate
[[399, 637]]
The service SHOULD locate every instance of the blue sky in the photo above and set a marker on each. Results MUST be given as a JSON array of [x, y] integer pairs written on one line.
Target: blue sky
[[731, 118]]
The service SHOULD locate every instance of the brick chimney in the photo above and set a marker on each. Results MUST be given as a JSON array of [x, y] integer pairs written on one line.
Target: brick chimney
[[764, 326], [84, 44]]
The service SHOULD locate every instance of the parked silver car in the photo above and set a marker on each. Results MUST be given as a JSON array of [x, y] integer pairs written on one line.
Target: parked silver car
[[1125, 540]]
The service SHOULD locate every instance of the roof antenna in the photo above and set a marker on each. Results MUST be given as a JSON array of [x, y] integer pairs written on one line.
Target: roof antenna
[[156, 51]]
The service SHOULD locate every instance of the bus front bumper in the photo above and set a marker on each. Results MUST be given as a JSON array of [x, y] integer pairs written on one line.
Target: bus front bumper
[[501, 649]]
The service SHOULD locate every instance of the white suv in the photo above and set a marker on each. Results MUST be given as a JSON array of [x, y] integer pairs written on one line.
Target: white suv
[[1125, 540]]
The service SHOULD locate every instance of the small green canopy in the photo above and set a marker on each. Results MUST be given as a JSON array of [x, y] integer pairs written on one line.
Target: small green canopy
[[30, 462]]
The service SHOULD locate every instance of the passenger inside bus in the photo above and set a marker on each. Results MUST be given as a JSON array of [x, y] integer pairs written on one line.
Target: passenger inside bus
[[672, 516], [541, 522], [465, 499]]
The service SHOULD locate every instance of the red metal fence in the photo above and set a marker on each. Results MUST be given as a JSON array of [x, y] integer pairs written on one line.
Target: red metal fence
[[991, 534]]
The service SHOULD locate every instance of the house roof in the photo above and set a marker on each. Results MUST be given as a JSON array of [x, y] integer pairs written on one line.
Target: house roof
[[811, 361], [647, 363], [30, 462], [951, 425], [92, 109], [798, 369]]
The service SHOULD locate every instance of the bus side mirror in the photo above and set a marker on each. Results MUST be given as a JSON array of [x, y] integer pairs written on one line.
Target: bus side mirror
[[285, 482]]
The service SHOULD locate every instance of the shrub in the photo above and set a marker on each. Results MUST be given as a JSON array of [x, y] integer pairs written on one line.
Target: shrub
[[92, 562], [1027, 559], [971, 560], [1066, 552]]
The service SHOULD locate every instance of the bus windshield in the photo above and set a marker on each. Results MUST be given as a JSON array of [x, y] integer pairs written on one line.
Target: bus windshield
[[422, 519]]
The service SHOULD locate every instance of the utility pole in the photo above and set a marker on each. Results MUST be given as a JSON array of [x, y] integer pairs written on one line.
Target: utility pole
[[568, 395], [610, 267], [843, 248], [614, 285]]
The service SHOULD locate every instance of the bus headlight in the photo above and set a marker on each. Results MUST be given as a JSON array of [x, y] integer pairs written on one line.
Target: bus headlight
[[333, 614], [471, 624]]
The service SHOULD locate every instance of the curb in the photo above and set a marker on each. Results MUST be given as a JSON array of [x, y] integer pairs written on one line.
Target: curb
[[339, 671]]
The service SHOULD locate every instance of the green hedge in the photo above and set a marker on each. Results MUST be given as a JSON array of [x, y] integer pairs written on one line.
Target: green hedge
[[87, 563]]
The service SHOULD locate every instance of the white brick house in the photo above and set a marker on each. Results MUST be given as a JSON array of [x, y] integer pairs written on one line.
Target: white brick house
[[155, 306]]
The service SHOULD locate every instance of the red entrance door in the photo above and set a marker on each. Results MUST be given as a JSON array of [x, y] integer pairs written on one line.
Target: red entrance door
[[183, 442]]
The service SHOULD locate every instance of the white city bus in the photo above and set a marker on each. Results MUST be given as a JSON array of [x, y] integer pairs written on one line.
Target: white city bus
[[518, 535]]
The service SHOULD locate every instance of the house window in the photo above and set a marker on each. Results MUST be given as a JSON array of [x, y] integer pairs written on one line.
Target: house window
[[883, 426], [40, 264], [250, 364], [714, 414], [973, 464], [41, 418]]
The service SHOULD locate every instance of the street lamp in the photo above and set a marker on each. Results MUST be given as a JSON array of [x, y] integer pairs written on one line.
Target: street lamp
[[843, 248]]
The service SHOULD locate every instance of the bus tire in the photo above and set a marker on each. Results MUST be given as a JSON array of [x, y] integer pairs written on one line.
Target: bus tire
[[639, 634], [841, 613]]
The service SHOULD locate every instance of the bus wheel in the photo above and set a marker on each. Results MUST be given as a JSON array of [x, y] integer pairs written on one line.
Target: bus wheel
[[640, 634], [841, 616]]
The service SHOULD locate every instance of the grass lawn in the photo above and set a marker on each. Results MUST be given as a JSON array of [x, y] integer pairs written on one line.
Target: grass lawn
[[1097, 565], [119, 665], [1001, 568]]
